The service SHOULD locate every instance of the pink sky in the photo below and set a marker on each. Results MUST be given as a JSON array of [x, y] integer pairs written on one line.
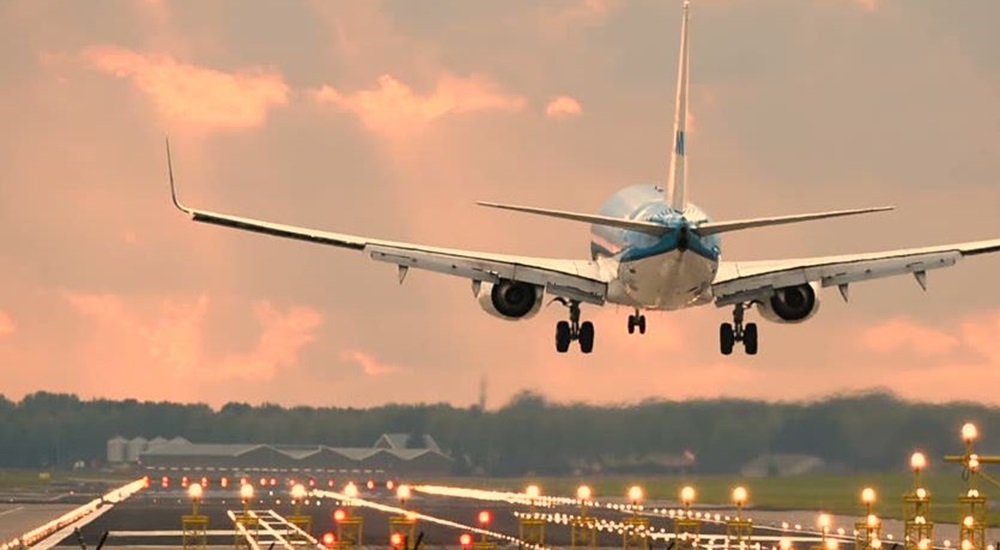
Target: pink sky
[[388, 120]]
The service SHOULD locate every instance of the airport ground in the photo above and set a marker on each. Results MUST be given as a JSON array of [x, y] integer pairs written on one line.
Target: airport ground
[[153, 517]]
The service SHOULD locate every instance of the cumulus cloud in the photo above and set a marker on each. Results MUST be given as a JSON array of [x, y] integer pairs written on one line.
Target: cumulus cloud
[[369, 365], [6, 324], [393, 108], [563, 106], [192, 95], [171, 335]]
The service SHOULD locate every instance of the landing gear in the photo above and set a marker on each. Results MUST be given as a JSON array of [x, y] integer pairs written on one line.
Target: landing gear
[[637, 320], [567, 331], [729, 334]]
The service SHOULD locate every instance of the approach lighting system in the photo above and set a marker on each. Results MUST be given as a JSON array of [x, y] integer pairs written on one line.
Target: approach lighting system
[[224, 482], [918, 462], [165, 482], [195, 492], [185, 482], [635, 494], [485, 517], [246, 492], [204, 483], [868, 496], [329, 540], [824, 521], [339, 515], [465, 540], [969, 432], [740, 496], [533, 491], [403, 493], [370, 484], [584, 493], [687, 495], [396, 540], [299, 492], [351, 490]]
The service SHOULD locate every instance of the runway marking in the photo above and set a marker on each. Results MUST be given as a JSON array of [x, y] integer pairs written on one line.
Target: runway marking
[[11, 511], [417, 515]]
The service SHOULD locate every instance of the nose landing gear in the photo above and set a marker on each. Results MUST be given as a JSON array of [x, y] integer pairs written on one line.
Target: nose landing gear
[[568, 331], [729, 334]]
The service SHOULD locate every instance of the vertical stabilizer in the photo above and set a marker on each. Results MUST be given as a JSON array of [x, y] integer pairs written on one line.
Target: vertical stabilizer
[[677, 178]]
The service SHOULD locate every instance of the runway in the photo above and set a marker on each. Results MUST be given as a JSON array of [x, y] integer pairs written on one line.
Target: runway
[[152, 517]]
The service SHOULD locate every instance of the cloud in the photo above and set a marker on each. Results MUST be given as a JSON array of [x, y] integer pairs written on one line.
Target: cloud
[[563, 106], [169, 338], [904, 335], [6, 324], [369, 365], [393, 108], [199, 97], [579, 13]]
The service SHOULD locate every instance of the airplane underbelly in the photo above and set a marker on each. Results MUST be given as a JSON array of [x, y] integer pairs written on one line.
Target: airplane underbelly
[[667, 281]]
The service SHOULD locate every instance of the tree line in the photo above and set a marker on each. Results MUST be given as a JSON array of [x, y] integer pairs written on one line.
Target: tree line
[[528, 435]]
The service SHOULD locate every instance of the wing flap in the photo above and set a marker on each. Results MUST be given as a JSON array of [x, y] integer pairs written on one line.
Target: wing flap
[[738, 282], [567, 278]]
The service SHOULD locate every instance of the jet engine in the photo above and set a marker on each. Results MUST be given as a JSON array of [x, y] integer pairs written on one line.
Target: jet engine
[[792, 304], [511, 300]]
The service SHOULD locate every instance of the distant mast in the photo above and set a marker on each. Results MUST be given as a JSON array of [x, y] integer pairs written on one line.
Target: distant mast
[[676, 196], [483, 385]]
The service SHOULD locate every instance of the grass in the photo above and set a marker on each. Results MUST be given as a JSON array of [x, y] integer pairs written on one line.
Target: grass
[[39, 479], [837, 494]]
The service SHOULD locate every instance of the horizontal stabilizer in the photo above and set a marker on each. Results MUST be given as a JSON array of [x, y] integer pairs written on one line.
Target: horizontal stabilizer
[[631, 225], [712, 228]]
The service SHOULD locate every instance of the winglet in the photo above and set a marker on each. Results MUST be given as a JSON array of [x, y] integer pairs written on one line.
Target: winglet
[[173, 187]]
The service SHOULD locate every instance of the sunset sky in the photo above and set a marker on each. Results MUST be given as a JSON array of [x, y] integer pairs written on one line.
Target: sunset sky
[[391, 118]]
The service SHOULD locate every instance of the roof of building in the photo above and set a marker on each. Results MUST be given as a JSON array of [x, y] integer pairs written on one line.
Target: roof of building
[[179, 447], [399, 441]]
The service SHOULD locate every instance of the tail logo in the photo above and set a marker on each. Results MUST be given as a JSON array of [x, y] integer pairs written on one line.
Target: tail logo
[[679, 148]]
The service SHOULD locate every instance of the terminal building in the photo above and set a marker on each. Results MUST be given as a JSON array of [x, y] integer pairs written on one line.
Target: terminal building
[[394, 454]]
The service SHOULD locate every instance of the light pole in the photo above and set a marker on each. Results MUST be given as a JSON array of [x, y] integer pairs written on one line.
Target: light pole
[[246, 495], [738, 529], [687, 530]]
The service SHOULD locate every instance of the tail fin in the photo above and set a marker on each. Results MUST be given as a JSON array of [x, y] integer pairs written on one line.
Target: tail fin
[[677, 179]]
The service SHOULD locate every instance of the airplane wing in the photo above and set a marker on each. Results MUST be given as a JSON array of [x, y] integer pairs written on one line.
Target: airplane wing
[[741, 282], [581, 280]]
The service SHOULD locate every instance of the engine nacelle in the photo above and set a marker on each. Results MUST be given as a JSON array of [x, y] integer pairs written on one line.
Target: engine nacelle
[[511, 300], [793, 304]]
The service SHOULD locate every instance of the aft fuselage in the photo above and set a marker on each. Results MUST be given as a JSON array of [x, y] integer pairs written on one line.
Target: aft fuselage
[[668, 272]]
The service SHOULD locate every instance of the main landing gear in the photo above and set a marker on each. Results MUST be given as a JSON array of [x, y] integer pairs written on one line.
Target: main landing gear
[[567, 331], [637, 321], [729, 334]]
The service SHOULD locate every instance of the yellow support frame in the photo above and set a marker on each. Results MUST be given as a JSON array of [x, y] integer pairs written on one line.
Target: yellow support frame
[[194, 532]]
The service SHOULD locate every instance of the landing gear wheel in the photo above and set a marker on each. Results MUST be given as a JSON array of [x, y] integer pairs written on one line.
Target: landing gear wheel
[[586, 337], [563, 336], [568, 331], [637, 321], [727, 339], [750, 339]]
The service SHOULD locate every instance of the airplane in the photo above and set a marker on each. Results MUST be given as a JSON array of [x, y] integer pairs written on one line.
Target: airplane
[[652, 250]]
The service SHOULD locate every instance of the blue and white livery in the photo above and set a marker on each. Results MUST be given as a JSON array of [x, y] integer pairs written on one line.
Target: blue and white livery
[[651, 250]]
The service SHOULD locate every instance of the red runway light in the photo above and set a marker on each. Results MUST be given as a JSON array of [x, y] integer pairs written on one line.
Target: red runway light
[[165, 482], [329, 539], [330, 483], [465, 540], [339, 516], [274, 481], [371, 484], [224, 482], [263, 482], [204, 482], [185, 482], [485, 517], [396, 540]]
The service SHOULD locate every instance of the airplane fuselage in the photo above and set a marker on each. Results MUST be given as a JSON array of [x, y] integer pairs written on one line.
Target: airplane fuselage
[[668, 272]]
